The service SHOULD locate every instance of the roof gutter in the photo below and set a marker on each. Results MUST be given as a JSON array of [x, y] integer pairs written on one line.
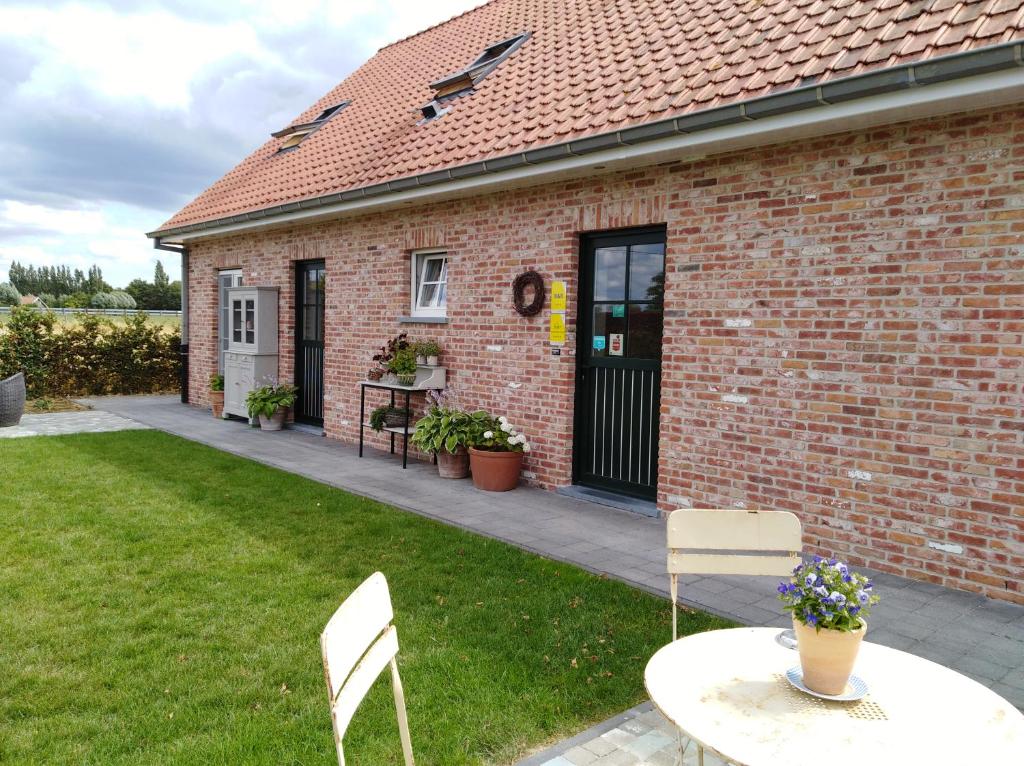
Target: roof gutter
[[972, 79]]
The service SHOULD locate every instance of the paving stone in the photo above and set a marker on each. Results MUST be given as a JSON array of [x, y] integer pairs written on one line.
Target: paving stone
[[579, 756], [63, 423]]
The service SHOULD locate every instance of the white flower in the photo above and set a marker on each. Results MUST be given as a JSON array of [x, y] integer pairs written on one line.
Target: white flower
[[502, 419], [506, 427], [526, 447], [488, 434], [513, 432]]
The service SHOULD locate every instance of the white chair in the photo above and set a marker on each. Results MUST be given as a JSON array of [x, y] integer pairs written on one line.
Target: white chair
[[729, 542], [358, 642]]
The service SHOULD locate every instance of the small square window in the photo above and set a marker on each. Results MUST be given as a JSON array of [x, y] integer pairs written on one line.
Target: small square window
[[429, 284]]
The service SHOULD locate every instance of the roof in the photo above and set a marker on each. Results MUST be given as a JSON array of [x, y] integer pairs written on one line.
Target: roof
[[588, 67]]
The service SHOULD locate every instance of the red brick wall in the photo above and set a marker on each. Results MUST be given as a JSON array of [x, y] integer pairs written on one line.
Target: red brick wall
[[843, 330]]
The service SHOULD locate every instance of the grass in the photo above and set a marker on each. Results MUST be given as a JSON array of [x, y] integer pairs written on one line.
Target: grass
[[48, 404], [161, 602]]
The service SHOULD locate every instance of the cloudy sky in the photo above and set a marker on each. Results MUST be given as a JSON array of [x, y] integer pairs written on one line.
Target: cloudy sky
[[115, 114]]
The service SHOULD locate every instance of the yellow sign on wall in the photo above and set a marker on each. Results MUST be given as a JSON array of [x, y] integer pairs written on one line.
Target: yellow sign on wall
[[558, 296], [557, 332]]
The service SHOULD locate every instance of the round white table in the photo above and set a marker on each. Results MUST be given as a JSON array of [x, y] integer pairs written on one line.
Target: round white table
[[726, 689]]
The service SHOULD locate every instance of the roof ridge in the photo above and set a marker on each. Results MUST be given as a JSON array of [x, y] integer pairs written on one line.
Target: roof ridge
[[437, 25]]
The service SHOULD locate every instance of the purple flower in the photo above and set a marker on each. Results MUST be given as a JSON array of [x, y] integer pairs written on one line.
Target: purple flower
[[809, 580], [862, 596], [783, 588], [809, 618], [837, 598], [853, 610]]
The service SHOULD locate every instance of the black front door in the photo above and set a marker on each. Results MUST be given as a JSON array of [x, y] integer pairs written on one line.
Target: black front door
[[618, 358], [309, 346]]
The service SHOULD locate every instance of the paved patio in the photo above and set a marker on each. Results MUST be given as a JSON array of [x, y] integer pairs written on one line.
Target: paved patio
[[58, 423], [981, 638]]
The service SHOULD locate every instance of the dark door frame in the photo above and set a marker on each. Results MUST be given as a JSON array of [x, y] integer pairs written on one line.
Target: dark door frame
[[584, 325], [301, 267]]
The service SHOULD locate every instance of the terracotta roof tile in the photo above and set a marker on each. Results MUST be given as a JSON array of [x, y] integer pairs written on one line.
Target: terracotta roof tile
[[588, 66]]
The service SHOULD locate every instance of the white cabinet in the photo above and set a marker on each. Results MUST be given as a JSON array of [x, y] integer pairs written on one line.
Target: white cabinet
[[251, 357]]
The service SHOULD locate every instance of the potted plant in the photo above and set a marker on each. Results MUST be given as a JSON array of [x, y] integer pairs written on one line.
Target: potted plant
[[496, 453], [391, 417], [829, 604], [403, 365], [431, 351], [386, 355], [270, 403], [447, 433], [421, 358], [375, 373], [217, 395]]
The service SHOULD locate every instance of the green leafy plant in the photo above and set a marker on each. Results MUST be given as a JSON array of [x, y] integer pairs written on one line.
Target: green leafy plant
[[497, 435], [387, 353], [380, 416], [216, 382], [447, 429], [403, 362], [429, 348], [266, 400]]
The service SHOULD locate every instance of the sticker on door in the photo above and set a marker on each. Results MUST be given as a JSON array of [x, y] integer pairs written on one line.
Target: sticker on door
[[599, 344], [615, 344]]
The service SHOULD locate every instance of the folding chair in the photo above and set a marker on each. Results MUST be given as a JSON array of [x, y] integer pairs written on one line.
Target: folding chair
[[358, 642], [729, 542]]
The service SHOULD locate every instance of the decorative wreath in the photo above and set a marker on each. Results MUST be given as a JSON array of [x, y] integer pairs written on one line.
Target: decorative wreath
[[524, 280]]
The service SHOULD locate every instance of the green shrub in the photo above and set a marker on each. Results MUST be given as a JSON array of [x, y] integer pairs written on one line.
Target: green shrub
[[92, 357], [9, 295]]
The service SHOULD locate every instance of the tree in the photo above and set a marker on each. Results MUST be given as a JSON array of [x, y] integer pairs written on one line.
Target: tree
[[160, 294], [117, 299], [9, 295]]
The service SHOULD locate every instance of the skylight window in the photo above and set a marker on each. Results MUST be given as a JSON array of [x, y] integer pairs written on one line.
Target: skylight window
[[485, 63], [294, 135]]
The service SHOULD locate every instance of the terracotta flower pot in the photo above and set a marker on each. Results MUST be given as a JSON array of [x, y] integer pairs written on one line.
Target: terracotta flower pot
[[275, 422], [827, 656], [217, 403], [453, 465], [495, 471]]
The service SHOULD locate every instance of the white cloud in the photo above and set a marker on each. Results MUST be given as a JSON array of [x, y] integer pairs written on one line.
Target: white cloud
[[113, 113]]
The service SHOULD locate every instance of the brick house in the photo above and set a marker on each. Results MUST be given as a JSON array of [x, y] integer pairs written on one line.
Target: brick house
[[792, 235]]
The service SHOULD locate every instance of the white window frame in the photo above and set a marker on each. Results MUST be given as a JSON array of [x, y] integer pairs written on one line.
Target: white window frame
[[418, 263]]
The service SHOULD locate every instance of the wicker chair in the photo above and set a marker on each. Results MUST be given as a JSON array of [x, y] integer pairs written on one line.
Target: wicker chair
[[12, 400]]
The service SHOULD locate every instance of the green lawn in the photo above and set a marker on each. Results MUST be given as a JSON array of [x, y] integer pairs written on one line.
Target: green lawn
[[161, 602]]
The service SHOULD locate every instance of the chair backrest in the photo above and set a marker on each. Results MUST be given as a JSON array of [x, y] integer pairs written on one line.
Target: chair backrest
[[730, 542], [357, 643]]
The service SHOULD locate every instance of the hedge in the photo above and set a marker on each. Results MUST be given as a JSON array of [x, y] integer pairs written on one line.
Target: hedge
[[92, 357]]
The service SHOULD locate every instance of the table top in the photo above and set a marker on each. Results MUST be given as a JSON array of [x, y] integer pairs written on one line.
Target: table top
[[396, 386], [727, 690]]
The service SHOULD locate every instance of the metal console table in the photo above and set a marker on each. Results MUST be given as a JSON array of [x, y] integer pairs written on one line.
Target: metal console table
[[404, 429]]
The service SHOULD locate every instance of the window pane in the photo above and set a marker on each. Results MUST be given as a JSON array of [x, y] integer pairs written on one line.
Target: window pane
[[609, 273], [432, 269], [647, 273], [428, 294], [645, 326], [250, 322], [608, 322], [309, 322], [442, 295], [236, 321]]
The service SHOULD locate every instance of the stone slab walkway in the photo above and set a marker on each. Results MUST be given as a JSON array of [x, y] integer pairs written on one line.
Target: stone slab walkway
[[639, 737], [980, 637], [59, 423]]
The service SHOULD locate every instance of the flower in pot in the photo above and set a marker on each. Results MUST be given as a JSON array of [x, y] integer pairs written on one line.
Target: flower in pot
[[496, 453], [403, 365], [431, 351], [829, 604], [217, 395], [270, 404], [386, 354], [390, 417], [421, 357], [447, 432]]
